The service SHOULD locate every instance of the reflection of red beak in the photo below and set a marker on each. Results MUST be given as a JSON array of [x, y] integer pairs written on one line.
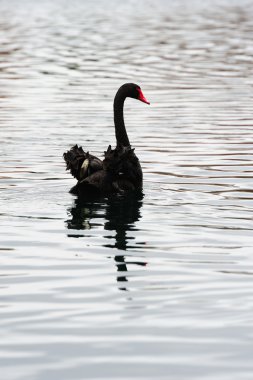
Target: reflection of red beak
[[142, 97]]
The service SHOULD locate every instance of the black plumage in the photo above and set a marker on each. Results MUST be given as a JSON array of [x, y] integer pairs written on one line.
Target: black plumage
[[120, 170]]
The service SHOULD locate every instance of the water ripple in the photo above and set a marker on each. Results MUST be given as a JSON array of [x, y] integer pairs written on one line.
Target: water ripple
[[135, 287]]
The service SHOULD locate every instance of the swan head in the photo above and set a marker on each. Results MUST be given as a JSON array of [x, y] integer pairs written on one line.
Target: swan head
[[134, 91]]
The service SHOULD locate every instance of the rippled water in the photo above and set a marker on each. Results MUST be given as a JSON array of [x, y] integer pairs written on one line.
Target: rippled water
[[127, 288]]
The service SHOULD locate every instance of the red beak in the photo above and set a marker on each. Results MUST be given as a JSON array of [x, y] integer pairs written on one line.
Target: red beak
[[142, 97]]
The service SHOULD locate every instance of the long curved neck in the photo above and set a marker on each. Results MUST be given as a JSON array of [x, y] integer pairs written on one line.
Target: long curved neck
[[120, 129]]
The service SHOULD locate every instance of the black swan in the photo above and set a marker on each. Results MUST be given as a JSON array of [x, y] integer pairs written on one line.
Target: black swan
[[120, 170]]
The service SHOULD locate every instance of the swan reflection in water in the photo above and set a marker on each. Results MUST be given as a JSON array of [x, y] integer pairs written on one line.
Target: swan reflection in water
[[120, 213]]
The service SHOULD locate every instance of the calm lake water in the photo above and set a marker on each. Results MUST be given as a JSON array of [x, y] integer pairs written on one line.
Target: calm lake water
[[127, 288]]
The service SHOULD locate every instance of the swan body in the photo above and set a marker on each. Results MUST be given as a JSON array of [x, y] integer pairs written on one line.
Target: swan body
[[120, 171]]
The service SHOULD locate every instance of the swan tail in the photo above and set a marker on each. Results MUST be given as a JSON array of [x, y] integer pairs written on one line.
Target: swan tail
[[75, 158], [81, 164]]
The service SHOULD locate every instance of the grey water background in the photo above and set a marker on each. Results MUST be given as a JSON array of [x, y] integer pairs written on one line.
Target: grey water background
[[125, 288]]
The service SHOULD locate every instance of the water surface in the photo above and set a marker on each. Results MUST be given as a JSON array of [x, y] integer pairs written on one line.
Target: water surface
[[152, 287]]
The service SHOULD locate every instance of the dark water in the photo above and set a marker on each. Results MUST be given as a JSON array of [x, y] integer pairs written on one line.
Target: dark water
[[158, 287]]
